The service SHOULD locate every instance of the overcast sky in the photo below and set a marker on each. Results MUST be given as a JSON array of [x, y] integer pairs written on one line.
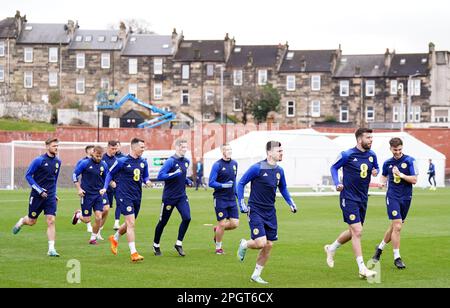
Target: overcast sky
[[360, 26]]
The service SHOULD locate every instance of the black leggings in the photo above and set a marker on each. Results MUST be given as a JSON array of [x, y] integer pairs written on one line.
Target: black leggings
[[432, 176]]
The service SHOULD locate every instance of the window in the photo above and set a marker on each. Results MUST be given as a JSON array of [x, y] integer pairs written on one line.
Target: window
[[344, 86], [88, 38], [370, 88], [106, 60], [396, 113], [209, 97], [157, 66], [104, 83], [315, 82], [114, 38], [417, 111], [158, 91], [101, 38], [2, 48], [290, 83], [237, 77], [53, 79], [394, 87], [132, 66], [290, 55], [80, 60], [78, 38], [28, 55], [344, 114], [210, 70], [2, 73], [53, 54], [28, 80], [237, 104], [207, 116], [370, 114], [133, 89], [262, 77], [185, 97], [414, 86], [290, 109], [185, 71], [80, 86], [315, 109], [440, 115]]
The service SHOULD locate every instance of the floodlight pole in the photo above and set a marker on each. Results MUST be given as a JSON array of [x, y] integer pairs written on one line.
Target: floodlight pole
[[402, 120]]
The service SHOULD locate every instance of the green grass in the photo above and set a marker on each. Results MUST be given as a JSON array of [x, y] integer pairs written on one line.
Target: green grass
[[19, 125], [297, 259]]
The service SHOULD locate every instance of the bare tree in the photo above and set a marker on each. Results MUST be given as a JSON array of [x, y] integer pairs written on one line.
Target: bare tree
[[138, 26]]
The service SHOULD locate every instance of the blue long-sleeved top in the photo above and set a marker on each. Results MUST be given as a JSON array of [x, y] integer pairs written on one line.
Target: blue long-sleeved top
[[129, 173], [174, 183], [43, 174], [93, 175], [265, 179], [110, 160], [357, 172], [223, 172], [431, 169]]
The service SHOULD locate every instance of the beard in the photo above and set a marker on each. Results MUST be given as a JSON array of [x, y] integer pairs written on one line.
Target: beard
[[366, 146]]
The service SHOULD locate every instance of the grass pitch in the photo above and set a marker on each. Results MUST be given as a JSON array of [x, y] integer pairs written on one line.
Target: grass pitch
[[297, 259]]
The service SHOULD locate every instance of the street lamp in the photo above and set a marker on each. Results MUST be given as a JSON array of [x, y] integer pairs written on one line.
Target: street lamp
[[402, 120], [222, 68]]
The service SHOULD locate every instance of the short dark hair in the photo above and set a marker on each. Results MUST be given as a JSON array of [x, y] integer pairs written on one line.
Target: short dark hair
[[51, 140], [395, 142], [363, 130], [272, 144], [113, 143], [88, 147], [136, 141], [98, 148]]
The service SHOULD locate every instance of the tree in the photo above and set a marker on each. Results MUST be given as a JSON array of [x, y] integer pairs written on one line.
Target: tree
[[138, 26], [268, 100]]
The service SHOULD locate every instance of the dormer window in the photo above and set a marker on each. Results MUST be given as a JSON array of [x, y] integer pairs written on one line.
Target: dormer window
[[402, 61], [114, 38], [88, 38], [424, 60], [101, 38], [29, 28], [78, 38], [290, 55], [237, 50]]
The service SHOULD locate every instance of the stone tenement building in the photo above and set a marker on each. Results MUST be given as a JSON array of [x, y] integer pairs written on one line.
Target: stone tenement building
[[193, 77]]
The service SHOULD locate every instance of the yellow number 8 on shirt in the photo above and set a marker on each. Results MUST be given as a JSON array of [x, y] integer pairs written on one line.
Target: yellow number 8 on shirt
[[137, 175], [397, 179], [364, 169]]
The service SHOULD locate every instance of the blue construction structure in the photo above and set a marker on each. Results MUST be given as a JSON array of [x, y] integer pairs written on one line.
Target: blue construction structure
[[165, 116]]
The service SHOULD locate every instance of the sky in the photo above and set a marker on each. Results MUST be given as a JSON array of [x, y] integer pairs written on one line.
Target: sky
[[359, 26]]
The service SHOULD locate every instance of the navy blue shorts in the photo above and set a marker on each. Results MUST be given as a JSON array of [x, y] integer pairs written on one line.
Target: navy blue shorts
[[397, 209], [263, 223], [128, 206], [226, 209], [353, 212], [92, 202], [37, 204], [181, 204]]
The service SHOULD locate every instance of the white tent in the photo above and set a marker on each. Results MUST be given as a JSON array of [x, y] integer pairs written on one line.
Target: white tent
[[411, 146], [307, 157]]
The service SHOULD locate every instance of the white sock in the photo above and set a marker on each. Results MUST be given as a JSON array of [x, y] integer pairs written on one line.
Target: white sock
[[51, 245], [382, 245], [258, 270], [117, 236], [179, 243], [244, 245], [218, 245], [93, 236], [396, 254], [99, 230], [20, 222], [156, 245], [78, 215], [132, 246], [334, 246], [362, 267]]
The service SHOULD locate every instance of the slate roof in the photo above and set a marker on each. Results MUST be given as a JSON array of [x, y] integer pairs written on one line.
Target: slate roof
[[33, 33], [201, 51], [263, 55], [148, 45], [99, 40], [404, 65], [307, 61], [8, 28], [369, 66]]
